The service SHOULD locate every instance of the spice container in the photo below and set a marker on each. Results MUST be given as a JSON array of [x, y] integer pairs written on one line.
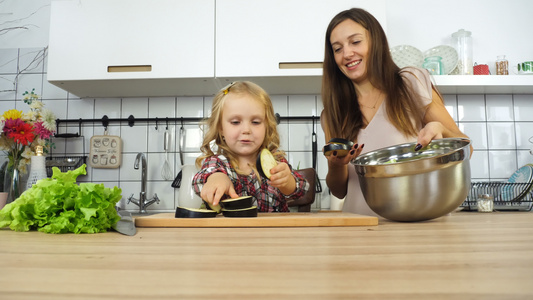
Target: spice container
[[485, 203], [463, 42], [502, 65]]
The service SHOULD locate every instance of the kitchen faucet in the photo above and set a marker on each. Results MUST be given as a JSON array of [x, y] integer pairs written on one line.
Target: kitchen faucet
[[142, 202]]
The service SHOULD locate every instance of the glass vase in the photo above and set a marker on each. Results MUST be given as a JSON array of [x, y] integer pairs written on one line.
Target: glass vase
[[12, 182]]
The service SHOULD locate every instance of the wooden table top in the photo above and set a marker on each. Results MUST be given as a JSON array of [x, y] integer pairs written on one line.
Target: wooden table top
[[465, 255]]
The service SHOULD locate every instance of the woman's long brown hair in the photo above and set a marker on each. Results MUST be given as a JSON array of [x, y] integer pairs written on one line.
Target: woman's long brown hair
[[342, 115]]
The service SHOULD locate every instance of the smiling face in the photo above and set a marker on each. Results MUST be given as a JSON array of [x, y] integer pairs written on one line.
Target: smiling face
[[243, 125], [350, 44]]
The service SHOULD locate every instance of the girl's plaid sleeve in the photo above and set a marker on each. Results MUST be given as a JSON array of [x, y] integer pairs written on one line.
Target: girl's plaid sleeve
[[302, 186], [210, 165]]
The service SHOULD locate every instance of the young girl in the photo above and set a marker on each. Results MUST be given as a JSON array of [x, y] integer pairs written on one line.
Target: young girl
[[242, 123]]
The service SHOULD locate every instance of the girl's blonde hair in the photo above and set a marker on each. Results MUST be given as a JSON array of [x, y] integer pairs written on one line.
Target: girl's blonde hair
[[213, 132]]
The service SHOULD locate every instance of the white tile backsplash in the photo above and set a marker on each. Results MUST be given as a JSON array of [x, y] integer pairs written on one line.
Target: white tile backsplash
[[524, 132], [27, 82], [499, 126], [137, 107], [499, 108], [471, 107], [479, 164], [523, 107], [109, 107], [501, 135], [302, 105], [8, 61], [31, 60], [450, 102], [502, 164], [8, 87], [190, 107], [477, 132]]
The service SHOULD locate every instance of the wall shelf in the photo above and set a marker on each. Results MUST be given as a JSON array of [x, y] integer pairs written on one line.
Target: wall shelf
[[484, 84]]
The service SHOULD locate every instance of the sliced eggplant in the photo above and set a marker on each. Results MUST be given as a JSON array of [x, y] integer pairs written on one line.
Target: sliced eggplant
[[210, 206], [237, 203], [249, 212], [342, 146], [265, 162], [340, 141], [342, 149], [184, 212]]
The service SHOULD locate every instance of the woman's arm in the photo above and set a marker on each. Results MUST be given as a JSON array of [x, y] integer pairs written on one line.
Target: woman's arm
[[337, 176], [438, 123]]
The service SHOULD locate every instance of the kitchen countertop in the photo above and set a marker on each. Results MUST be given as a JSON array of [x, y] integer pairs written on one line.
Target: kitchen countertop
[[463, 255]]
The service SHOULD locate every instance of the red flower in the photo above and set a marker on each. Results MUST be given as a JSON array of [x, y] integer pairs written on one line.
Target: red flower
[[41, 131], [20, 132]]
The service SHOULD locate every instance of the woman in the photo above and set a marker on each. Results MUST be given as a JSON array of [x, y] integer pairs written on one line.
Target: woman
[[369, 100]]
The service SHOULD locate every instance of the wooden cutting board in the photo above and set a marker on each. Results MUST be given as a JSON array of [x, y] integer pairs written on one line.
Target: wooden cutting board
[[319, 219]]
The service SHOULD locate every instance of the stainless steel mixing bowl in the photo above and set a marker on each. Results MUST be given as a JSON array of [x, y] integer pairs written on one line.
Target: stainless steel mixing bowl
[[401, 184]]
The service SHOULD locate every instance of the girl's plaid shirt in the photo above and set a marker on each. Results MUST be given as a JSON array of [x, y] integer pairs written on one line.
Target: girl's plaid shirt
[[268, 198]]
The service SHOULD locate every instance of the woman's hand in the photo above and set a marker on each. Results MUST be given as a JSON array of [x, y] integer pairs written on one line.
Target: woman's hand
[[432, 130], [216, 186], [281, 178], [334, 160]]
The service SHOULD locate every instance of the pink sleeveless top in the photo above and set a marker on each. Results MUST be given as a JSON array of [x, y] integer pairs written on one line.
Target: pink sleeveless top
[[381, 133]]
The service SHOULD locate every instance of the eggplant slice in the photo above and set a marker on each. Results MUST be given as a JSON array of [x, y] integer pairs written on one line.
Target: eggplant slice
[[342, 146], [184, 212], [265, 162], [249, 212], [237, 203]]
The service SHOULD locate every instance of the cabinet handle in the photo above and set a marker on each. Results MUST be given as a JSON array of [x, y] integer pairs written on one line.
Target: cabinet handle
[[300, 65], [138, 68]]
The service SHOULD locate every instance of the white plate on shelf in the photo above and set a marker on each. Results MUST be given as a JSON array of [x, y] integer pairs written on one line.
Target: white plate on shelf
[[407, 56], [449, 57]]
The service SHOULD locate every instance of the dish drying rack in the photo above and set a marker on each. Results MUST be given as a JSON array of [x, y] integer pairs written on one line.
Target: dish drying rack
[[507, 196], [66, 163]]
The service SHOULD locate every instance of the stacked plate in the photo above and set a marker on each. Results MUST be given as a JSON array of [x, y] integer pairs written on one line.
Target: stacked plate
[[523, 175], [409, 56]]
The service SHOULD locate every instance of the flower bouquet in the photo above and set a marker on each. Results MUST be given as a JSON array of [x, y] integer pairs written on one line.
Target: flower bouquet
[[20, 133]]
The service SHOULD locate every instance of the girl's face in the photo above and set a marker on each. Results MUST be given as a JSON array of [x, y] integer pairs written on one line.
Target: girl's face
[[350, 45], [243, 125]]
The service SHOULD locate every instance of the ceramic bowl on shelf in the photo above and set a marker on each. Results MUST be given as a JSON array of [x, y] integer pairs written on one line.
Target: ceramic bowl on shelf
[[447, 53], [407, 56]]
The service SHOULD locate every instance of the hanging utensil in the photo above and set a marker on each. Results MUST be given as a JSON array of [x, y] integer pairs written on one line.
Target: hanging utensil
[[166, 172], [177, 181], [318, 187]]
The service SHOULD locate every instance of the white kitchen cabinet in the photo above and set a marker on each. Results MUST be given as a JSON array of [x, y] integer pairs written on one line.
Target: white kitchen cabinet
[[278, 39], [132, 47]]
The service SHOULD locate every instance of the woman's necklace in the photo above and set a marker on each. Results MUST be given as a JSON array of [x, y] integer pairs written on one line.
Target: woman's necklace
[[375, 102]]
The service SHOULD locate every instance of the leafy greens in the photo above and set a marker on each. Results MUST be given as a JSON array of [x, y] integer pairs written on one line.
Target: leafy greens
[[59, 205]]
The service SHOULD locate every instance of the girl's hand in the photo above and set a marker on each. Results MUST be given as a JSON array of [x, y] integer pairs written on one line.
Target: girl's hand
[[432, 130], [216, 186], [281, 178], [339, 161]]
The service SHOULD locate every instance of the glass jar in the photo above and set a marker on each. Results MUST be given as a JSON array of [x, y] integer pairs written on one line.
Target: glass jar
[[463, 42], [433, 64], [485, 203], [502, 65]]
